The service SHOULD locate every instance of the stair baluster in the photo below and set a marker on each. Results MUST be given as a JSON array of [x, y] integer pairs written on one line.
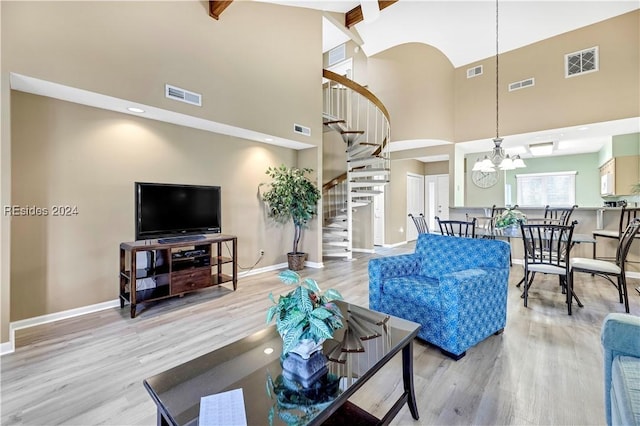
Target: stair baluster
[[363, 122]]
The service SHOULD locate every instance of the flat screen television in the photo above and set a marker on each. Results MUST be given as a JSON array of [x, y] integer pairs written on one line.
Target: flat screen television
[[169, 210]]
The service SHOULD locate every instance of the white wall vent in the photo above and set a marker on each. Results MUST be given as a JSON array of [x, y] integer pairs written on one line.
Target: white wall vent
[[297, 128], [522, 84], [338, 54], [474, 72], [582, 62], [182, 95]]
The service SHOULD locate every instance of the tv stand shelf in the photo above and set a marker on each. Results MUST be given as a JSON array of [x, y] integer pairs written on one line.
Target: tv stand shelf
[[157, 269]]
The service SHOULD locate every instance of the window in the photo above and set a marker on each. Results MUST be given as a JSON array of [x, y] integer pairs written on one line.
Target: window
[[541, 189]]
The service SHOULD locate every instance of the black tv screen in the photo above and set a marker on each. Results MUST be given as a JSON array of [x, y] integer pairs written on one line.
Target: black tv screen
[[170, 210]]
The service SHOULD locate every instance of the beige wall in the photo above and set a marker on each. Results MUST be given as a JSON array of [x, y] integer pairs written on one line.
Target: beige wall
[[260, 52], [242, 64], [90, 158], [436, 168], [395, 200], [609, 94], [5, 194], [555, 101], [245, 66], [334, 158], [415, 82]]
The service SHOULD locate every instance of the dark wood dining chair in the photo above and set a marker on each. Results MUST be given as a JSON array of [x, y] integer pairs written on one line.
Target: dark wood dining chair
[[547, 250], [627, 215], [420, 222], [606, 269], [562, 214], [457, 228]]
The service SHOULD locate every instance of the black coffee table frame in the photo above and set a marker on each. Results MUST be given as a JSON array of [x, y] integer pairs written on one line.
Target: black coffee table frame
[[243, 364]]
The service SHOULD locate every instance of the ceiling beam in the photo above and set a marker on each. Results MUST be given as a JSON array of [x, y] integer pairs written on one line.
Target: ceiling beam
[[216, 7], [354, 16]]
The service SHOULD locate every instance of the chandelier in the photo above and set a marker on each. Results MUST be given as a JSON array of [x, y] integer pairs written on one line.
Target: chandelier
[[498, 158]]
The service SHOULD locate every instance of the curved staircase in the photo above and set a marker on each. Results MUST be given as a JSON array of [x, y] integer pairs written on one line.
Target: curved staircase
[[363, 123]]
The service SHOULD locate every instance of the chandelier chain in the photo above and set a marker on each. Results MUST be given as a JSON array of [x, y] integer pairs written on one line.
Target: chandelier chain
[[498, 158], [497, 77]]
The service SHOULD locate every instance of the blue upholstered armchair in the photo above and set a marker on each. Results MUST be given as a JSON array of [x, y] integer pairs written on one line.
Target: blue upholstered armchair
[[621, 342], [455, 287]]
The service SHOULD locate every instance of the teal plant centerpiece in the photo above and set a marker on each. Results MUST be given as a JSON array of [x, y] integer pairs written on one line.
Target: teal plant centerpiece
[[305, 317], [305, 313], [510, 217], [292, 196]]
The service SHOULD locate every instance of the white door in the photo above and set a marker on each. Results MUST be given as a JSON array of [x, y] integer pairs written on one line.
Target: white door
[[415, 203], [437, 199], [378, 220]]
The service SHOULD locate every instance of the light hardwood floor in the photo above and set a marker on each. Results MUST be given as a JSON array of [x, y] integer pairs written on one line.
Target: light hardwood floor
[[545, 369]]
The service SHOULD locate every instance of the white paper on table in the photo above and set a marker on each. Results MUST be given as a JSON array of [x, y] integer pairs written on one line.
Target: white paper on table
[[223, 409]]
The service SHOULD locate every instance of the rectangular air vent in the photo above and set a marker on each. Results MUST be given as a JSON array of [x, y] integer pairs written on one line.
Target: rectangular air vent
[[182, 95], [522, 84], [337, 54], [302, 130], [474, 72], [582, 62]]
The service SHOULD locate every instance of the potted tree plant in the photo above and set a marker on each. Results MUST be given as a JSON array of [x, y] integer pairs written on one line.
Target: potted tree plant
[[292, 196]]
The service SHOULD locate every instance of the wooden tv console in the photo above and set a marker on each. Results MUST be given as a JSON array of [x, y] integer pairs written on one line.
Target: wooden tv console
[[174, 267]]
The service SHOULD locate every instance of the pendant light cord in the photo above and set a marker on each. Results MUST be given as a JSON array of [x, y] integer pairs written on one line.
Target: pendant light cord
[[497, 79]]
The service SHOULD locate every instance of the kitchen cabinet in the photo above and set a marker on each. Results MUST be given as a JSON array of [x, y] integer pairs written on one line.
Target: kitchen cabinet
[[619, 174]]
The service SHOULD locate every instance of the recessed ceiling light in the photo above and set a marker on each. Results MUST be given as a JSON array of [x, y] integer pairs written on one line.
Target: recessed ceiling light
[[136, 110], [538, 149]]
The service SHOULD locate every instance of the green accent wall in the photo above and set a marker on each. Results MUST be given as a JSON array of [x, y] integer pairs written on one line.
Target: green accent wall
[[587, 178], [605, 154], [626, 145]]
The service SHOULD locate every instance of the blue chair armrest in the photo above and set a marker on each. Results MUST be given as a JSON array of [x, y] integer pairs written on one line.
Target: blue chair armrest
[[620, 336], [463, 289], [472, 300], [381, 268]]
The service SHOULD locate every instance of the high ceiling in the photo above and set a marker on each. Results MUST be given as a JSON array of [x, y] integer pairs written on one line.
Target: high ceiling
[[465, 31]]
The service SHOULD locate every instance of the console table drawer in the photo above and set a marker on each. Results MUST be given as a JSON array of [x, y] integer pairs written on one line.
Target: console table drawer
[[192, 279]]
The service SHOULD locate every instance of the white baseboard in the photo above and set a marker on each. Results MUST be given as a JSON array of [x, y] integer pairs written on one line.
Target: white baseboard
[[261, 270], [394, 245], [362, 250], [9, 347], [277, 267]]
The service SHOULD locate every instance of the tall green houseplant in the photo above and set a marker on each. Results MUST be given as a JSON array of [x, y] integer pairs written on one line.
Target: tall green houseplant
[[292, 196]]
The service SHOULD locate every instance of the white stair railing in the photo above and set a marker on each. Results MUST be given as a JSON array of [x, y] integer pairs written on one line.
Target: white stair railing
[[363, 122]]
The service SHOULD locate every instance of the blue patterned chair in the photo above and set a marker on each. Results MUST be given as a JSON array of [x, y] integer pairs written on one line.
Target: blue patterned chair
[[455, 287], [620, 338]]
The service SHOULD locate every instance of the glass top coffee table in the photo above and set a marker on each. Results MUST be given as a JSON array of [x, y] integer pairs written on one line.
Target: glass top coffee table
[[358, 351]]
